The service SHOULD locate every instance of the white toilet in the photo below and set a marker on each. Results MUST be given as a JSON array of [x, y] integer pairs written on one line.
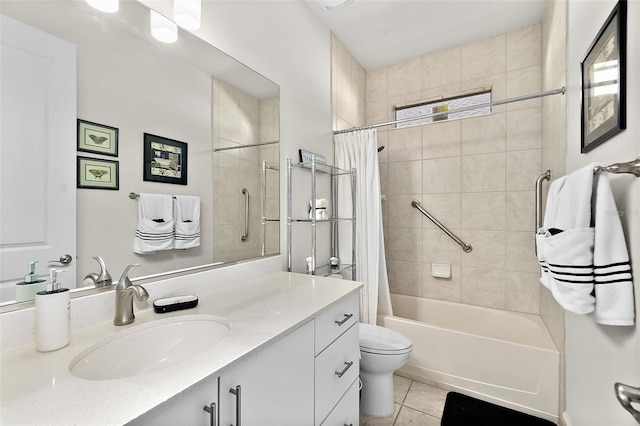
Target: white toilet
[[382, 351]]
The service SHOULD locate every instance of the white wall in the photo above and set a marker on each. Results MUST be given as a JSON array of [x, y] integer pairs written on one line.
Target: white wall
[[597, 356]]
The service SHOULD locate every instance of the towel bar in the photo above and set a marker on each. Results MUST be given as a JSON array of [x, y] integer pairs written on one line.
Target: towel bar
[[632, 167], [134, 196]]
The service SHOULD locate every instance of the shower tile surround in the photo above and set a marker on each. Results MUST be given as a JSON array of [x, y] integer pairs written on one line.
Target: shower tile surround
[[243, 120], [476, 175]]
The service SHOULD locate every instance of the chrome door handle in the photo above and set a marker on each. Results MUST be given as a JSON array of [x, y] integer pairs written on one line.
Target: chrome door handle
[[344, 370], [65, 259], [346, 318], [626, 395], [236, 392], [211, 409]]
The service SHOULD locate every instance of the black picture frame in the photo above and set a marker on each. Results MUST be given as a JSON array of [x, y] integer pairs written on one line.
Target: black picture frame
[[165, 160], [96, 173], [604, 98], [97, 138]]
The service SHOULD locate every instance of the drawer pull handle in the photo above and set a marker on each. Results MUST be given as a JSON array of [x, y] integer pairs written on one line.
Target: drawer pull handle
[[344, 370], [211, 409], [347, 317], [350, 424]]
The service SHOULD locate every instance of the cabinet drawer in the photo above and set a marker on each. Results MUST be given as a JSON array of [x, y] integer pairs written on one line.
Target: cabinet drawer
[[335, 320], [336, 369], [347, 412]]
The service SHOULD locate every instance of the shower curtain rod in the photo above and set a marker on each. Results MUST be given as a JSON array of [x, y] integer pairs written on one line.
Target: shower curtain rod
[[469, 108]]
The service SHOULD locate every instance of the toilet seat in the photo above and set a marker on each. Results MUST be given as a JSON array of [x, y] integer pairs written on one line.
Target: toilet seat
[[383, 341]]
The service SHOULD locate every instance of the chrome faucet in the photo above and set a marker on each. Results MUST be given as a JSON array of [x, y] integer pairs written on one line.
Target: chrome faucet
[[125, 290], [103, 279]]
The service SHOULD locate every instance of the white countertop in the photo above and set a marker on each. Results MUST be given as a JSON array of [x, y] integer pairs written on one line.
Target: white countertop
[[37, 388]]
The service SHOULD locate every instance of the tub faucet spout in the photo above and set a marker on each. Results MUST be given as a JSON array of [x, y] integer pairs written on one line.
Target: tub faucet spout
[[125, 290]]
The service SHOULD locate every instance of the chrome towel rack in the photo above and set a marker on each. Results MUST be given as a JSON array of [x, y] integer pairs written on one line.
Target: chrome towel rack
[[465, 247], [632, 167], [629, 167]]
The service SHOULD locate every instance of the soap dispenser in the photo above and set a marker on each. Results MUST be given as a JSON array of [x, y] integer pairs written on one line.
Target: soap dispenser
[[27, 289], [53, 315]]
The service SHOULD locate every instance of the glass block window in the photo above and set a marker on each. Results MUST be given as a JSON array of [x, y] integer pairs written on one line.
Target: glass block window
[[443, 106]]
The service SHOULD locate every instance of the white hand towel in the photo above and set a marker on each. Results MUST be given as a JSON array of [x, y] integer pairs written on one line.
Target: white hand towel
[[613, 280], [155, 224], [187, 208], [582, 251]]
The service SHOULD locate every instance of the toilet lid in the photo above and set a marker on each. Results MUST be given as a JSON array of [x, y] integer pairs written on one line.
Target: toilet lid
[[377, 339]]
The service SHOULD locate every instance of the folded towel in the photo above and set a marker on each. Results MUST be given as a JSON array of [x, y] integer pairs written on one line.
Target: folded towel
[[612, 270], [582, 251], [155, 224], [187, 225]]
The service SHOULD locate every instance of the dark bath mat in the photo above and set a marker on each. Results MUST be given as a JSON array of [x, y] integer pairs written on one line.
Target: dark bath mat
[[463, 410]]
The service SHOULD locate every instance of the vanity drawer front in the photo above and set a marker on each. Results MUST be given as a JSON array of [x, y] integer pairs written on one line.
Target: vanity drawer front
[[336, 369], [347, 412], [335, 320]]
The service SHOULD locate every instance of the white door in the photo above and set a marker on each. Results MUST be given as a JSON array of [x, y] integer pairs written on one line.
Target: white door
[[37, 154]]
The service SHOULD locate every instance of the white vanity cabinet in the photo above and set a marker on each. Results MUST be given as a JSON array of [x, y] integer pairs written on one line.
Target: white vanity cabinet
[[274, 386], [337, 363], [186, 408], [307, 377]]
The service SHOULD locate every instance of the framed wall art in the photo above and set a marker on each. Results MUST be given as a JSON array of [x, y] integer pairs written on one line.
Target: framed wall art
[[95, 173], [604, 82], [97, 138], [165, 160]]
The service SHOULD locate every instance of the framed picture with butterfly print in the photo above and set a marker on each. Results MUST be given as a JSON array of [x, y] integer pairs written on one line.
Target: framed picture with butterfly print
[[96, 173], [97, 138]]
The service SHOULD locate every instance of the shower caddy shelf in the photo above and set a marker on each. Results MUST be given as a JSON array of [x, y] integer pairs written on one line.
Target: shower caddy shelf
[[333, 173]]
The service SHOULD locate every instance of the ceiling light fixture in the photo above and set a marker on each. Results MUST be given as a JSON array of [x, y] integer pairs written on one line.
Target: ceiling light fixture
[[163, 29], [333, 5], [108, 6], [187, 13]]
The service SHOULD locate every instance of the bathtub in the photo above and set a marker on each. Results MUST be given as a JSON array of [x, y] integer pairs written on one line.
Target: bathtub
[[498, 356]]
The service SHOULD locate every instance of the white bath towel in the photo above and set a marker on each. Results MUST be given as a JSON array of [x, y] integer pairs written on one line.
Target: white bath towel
[[187, 225], [155, 224], [582, 251]]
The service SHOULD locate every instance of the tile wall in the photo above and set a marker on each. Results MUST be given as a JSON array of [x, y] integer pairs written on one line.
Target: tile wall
[[554, 146], [240, 119], [476, 175]]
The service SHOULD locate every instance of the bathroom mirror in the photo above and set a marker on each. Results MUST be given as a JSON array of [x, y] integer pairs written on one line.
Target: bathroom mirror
[[187, 91]]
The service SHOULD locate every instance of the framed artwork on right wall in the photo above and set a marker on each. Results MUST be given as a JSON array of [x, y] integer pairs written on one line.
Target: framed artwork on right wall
[[604, 97]]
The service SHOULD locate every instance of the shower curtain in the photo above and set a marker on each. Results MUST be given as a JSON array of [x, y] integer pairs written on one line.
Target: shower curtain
[[359, 150]]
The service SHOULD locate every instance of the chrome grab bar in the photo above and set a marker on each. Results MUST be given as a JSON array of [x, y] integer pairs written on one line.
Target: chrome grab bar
[[465, 247], [545, 176], [626, 395], [246, 215]]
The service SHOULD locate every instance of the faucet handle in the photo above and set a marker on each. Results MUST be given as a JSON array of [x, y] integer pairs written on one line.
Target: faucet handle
[[124, 281], [103, 278]]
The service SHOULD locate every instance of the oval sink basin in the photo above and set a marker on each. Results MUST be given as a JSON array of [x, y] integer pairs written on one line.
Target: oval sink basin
[[149, 347]]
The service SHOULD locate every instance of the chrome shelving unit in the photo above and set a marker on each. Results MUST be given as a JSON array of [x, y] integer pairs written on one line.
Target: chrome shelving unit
[[333, 173], [263, 205]]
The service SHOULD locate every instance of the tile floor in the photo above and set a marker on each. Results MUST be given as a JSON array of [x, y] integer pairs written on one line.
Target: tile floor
[[416, 403]]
